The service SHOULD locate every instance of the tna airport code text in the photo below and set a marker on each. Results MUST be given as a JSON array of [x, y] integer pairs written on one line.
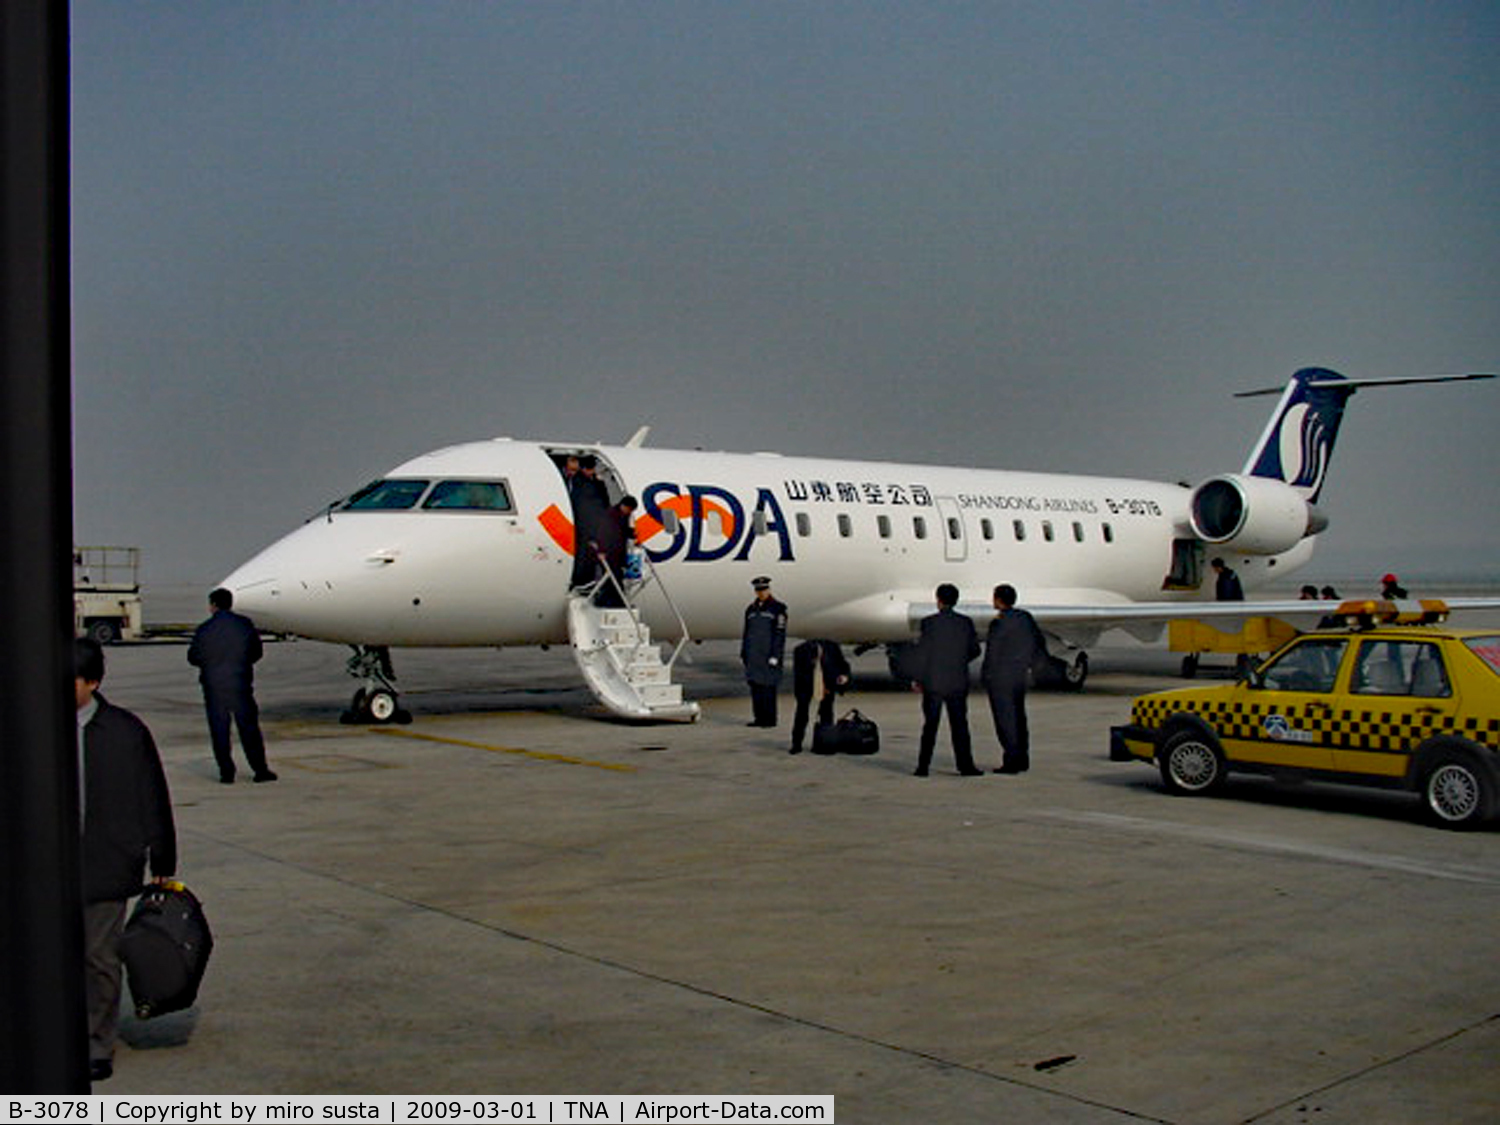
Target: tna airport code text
[[409, 1110]]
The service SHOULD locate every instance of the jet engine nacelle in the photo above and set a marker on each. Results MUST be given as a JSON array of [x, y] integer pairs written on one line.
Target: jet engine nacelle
[[1253, 515]]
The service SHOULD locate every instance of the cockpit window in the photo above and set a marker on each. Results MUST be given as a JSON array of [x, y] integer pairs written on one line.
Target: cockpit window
[[469, 496], [386, 496]]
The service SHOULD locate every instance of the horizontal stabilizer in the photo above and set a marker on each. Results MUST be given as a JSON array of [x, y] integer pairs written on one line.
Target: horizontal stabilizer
[[1352, 385]]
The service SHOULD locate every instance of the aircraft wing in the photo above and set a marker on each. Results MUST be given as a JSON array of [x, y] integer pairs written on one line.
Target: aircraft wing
[[1080, 620]]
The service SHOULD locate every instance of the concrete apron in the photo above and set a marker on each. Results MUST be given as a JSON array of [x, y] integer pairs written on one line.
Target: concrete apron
[[513, 895]]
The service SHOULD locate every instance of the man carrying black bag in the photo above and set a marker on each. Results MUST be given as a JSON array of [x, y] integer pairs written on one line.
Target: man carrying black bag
[[127, 819], [818, 669]]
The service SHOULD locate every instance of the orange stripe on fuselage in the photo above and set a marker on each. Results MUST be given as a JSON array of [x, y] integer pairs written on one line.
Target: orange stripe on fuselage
[[647, 526], [559, 526]]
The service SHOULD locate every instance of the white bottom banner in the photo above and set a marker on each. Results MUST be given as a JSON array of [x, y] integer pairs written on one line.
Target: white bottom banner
[[539, 1109]]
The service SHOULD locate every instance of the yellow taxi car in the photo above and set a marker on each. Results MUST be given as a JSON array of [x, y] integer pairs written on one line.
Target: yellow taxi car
[[1401, 706]]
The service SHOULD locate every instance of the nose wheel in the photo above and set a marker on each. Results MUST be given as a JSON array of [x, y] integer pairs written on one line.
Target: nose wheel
[[377, 701]]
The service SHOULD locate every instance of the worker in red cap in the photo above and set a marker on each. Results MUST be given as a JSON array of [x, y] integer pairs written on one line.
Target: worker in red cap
[[1391, 588]]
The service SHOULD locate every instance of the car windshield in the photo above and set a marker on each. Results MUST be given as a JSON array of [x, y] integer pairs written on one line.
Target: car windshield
[[386, 496], [1487, 649], [1310, 666]]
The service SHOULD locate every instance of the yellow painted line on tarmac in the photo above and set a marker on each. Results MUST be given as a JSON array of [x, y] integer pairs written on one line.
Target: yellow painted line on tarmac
[[540, 755]]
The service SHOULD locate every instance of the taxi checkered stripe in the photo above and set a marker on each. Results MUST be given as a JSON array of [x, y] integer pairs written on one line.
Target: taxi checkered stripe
[[1363, 729]]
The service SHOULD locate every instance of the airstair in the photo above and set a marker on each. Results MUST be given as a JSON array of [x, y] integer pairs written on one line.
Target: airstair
[[619, 661]]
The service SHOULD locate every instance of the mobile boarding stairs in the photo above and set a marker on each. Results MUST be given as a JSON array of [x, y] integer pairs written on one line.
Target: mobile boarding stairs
[[620, 663]]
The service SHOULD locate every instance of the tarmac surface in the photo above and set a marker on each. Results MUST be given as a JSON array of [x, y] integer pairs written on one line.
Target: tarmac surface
[[515, 894]]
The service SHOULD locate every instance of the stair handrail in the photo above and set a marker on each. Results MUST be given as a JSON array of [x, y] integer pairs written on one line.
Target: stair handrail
[[632, 603], [609, 578], [682, 641]]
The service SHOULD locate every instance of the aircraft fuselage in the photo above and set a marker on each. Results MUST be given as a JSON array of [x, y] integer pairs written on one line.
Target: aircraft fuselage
[[850, 546]]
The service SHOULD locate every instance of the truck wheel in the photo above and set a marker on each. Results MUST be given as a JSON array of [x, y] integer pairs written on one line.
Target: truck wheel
[[1191, 763], [103, 631]]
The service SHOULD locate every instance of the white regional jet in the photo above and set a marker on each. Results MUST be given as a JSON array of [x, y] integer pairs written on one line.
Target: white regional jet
[[472, 545]]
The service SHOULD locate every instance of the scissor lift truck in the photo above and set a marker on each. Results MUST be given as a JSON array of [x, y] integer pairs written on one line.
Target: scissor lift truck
[[107, 593]]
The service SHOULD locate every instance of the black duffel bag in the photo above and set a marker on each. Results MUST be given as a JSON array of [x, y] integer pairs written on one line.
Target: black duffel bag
[[853, 734], [165, 948]]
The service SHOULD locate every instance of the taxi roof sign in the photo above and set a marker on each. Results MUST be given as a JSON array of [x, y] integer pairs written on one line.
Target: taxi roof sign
[[1363, 613]]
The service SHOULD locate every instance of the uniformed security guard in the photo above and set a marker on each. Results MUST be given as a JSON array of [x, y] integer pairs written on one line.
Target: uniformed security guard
[[761, 649]]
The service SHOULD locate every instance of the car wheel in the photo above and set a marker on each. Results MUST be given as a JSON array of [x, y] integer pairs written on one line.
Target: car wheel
[[1457, 791], [1191, 763]]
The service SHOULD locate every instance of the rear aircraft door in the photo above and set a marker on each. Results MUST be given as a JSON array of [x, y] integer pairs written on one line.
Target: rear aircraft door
[[951, 520]]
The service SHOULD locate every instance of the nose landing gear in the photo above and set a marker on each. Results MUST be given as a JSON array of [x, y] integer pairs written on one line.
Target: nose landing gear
[[377, 701]]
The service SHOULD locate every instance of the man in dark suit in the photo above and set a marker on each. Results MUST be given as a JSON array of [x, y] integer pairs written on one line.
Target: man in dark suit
[[818, 669], [224, 650], [947, 644], [590, 497], [1013, 646], [127, 818], [614, 536]]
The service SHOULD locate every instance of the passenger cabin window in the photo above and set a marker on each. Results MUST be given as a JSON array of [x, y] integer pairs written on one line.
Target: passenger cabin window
[[987, 529], [804, 524], [1047, 530], [1077, 532], [883, 524], [386, 496], [919, 527], [1018, 529], [846, 526], [469, 496], [1109, 533]]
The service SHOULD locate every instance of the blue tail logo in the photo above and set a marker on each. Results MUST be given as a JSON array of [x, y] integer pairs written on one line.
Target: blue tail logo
[[1298, 444]]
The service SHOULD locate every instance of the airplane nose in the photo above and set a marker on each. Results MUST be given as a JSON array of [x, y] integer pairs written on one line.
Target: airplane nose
[[255, 599], [257, 592]]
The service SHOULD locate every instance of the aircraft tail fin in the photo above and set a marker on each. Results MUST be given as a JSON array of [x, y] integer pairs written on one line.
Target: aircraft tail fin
[[1298, 441]]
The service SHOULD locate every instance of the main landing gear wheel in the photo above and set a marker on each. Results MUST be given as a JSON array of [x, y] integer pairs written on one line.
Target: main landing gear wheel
[[1061, 674]]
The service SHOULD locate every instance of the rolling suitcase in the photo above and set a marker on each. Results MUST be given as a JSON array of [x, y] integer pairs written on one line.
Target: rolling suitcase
[[165, 948]]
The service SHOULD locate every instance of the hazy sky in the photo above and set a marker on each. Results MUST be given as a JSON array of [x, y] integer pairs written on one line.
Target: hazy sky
[[313, 239]]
